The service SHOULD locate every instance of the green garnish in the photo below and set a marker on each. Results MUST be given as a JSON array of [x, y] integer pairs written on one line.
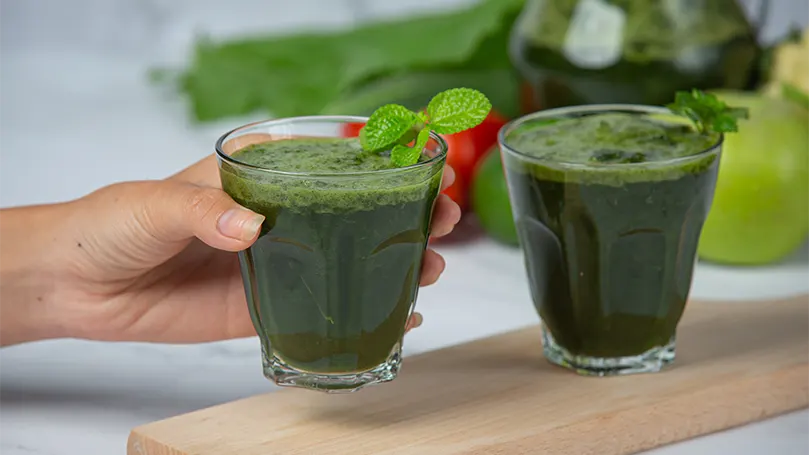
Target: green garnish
[[394, 126], [708, 113]]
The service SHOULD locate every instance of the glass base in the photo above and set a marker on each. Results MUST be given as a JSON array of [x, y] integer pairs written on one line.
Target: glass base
[[276, 370], [651, 361]]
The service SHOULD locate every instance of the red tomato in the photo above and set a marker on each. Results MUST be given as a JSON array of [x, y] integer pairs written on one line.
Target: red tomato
[[351, 129], [484, 136], [466, 149]]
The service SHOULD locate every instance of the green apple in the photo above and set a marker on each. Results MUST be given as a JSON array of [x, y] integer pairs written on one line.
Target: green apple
[[760, 211]]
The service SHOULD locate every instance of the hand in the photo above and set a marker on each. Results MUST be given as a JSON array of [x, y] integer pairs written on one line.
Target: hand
[[146, 261]]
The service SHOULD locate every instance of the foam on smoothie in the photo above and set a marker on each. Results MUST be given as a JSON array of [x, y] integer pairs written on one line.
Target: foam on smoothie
[[612, 148], [315, 155], [334, 156]]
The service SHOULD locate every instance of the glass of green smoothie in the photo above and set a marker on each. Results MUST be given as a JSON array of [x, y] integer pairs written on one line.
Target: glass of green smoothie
[[334, 275], [609, 202]]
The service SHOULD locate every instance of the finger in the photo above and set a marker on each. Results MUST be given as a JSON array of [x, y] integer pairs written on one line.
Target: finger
[[432, 266], [446, 215], [180, 211], [205, 172], [414, 322], [448, 178]]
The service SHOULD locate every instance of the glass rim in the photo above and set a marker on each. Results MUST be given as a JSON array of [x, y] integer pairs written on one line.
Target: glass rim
[[595, 108], [220, 153]]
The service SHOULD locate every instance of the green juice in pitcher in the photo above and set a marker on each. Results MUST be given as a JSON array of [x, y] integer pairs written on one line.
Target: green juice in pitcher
[[577, 52]]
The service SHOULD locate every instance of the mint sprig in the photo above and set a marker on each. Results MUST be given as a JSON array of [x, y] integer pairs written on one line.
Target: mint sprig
[[402, 155], [386, 126], [393, 127], [708, 113]]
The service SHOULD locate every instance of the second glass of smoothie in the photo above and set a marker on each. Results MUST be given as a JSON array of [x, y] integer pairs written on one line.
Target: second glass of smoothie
[[334, 275], [609, 202]]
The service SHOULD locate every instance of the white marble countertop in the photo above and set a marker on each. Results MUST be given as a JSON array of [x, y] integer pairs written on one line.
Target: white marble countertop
[[98, 122]]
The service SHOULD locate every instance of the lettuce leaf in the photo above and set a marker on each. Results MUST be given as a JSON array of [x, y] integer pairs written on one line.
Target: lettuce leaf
[[353, 71]]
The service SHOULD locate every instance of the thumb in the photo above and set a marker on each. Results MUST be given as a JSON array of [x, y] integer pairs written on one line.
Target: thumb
[[182, 211]]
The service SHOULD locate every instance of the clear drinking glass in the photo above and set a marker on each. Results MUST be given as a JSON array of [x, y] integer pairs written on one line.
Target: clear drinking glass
[[334, 275], [609, 248]]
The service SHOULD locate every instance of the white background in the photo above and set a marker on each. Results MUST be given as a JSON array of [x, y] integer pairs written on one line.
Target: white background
[[76, 113]]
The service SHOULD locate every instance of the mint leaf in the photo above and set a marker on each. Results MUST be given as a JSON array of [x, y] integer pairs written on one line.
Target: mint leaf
[[402, 155], [708, 113], [449, 112], [724, 123], [457, 109], [386, 127]]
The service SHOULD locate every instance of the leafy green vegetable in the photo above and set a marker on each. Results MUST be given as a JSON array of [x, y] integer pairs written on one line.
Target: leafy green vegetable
[[708, 113], [358, 69], [449, 112]]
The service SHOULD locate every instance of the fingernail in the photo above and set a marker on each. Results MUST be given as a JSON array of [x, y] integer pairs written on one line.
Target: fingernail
[[417, 320], [240, 224]]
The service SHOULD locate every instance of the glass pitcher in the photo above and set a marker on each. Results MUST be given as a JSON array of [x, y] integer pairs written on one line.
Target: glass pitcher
[[572, 52]]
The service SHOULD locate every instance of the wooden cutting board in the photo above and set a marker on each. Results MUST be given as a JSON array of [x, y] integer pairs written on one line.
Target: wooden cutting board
[[737, 362]]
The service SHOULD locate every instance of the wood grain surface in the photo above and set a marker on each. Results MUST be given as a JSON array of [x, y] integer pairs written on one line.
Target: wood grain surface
[[737, 362]]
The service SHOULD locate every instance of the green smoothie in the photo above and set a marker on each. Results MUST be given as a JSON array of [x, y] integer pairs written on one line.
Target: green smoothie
[[609, 208], [334, 274]]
